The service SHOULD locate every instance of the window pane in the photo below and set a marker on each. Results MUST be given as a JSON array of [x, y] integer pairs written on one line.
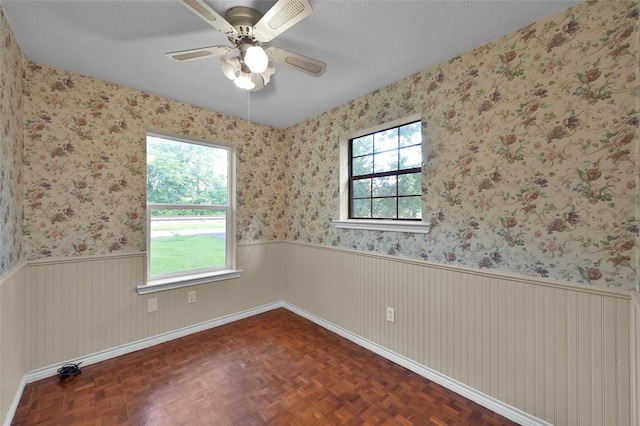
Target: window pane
[[384, 158], [362, 208], [410, 184], [384, 186], [411, 134], [362, 146], [386, 140], [362, 165], [384, 208], [361, 188], [410, 208], [385, 162], [186, 173], [186, 240], [410, 157]]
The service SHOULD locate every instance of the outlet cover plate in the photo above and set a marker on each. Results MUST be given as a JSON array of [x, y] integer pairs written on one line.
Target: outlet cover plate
[[391, 315]]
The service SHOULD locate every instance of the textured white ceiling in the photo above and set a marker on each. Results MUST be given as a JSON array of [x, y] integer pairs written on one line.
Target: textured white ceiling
[[366, 44]]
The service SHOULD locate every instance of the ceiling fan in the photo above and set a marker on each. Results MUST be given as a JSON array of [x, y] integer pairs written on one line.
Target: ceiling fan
[[248, 30]]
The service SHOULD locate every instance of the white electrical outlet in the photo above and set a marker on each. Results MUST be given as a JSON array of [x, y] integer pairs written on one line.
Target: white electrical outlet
[[391, 315], [191, 297], [152, 305]]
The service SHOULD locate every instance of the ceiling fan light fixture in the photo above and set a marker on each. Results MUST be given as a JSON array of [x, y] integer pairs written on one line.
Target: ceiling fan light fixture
[[248, 30], [258, 82], [256, 59], [244, 81], [230, 67], [266, 74]]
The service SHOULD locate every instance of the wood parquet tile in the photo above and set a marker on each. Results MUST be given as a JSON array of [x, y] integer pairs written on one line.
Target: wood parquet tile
[[271, 369]]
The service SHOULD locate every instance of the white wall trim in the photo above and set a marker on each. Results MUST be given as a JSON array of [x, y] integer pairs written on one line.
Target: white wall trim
[[468, 392], [383, 225], [187, 281], [6, 277], [51, 370], [88, 258], [259, 243], [11, 412], [634, 348]]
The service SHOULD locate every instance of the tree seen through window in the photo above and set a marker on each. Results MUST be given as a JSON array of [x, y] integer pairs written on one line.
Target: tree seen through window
[[386, 174]]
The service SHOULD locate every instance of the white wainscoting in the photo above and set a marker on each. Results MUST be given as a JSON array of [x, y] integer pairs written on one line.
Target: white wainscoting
[[88, 359], [87, 305], [635, 358], [13, 340], [557, 351], [565, 354]]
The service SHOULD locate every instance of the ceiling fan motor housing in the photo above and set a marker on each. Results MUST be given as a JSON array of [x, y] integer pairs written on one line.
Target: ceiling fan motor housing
[[243, 20]]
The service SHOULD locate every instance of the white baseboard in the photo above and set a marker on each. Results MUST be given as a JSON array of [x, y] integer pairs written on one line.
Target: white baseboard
[[14, 404], [486, 401], [52, 370], [468, 392]]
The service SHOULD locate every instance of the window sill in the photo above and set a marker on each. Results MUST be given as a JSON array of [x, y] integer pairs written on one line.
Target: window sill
[[186, 281], [384, 225]]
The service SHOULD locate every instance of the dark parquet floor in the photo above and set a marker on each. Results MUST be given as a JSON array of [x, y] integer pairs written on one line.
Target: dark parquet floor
[[275, 368]]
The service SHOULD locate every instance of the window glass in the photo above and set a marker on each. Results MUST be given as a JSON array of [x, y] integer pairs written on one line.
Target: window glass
[[362, 165], [384, 208], [410, 157], [385, 180], [188, 209], [385, 186], [362, 188], [187, 240], [362, 208], [385, 140], [410, 207], [362, 145], [410, 184], [411, 134], [385, 161], [186, 173]]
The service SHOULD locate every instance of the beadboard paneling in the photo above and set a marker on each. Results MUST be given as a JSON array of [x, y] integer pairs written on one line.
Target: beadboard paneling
[[635, 358], [81, 306], [13, 340], [559, 352]]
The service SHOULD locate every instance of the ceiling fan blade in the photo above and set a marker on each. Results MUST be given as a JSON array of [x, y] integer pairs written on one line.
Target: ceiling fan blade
[[296, 61], [203, 52], [210, 16], [282, 16]]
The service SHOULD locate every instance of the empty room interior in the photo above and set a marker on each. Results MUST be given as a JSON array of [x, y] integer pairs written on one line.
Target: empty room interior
[[450, 187]]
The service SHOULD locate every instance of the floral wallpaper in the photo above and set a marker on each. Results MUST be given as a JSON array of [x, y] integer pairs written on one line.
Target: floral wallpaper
[[11, 136], [85, 165], [531, 154], [531, 157]]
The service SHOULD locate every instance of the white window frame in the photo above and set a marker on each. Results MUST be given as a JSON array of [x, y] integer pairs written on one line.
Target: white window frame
[[229, 271], [344, 221]]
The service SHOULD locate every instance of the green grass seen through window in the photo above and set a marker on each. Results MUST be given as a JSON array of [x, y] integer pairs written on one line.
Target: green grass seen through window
[[187, 252]]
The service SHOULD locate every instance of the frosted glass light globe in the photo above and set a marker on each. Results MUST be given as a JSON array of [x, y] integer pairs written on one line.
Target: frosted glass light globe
[[256, 59]]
